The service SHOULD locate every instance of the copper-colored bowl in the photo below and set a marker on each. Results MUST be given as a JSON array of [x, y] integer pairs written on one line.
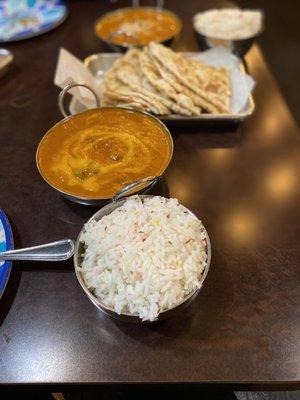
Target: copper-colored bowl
[[109, 41]]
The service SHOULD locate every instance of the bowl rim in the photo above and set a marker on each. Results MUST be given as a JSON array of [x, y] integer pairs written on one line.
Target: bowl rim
[[122, 9], [132, 111], [109, 310]]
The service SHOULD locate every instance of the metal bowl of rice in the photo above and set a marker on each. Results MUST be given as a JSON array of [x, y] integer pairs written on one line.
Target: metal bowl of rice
[[232, 28], [142, 258]]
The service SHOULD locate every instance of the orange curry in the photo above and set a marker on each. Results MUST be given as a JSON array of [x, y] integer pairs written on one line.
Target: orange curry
[[95, 153], [141, 25]]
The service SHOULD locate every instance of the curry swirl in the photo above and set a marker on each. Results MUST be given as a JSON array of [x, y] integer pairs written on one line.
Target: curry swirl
[[94, 154]]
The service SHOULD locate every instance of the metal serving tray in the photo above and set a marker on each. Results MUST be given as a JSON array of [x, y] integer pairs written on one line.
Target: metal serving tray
[[99, 63]]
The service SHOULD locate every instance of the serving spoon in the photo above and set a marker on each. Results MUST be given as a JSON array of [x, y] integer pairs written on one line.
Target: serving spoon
[[55, 251], [64, 249]]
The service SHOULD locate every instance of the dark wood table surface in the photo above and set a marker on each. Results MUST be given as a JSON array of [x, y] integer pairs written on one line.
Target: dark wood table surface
[[243, 182]]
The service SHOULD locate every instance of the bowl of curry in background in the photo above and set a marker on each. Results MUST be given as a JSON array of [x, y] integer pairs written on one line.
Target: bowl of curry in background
[[137, 26], [90, 156]]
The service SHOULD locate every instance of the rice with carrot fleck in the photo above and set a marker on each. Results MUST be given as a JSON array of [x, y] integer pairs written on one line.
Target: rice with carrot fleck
[[145, 257]]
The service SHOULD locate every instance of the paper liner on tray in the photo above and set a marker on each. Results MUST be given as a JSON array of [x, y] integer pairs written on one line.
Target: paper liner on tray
[[71, 69]]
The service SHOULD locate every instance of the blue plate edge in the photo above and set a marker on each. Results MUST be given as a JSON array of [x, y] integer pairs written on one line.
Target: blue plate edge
[[9, 246], [35, 34]]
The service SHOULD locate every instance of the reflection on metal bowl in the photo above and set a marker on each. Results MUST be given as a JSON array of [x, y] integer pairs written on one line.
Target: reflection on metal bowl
[[238, 47], [141, 186]]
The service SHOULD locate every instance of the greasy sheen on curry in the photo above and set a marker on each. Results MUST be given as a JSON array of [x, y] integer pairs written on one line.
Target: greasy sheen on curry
[[142, 24], [95, 153]]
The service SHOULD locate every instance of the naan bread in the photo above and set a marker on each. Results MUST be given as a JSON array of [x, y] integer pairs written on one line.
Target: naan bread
[[183, 104], [163, 82], [129, 71], [179, 88], [184, 70], [115, 88]]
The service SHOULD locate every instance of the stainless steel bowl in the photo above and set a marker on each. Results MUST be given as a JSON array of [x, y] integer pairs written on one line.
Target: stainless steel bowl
[[64, 249], [133, 41], [139, 186], [239, 47], [79, 251]]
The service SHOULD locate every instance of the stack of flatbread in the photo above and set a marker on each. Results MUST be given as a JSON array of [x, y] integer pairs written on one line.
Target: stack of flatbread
[[160, 81]]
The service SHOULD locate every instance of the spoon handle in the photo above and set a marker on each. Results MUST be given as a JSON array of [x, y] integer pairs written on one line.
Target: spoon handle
[[56, 251]]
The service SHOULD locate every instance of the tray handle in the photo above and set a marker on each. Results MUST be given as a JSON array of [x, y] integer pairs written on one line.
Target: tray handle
[[64, 91]]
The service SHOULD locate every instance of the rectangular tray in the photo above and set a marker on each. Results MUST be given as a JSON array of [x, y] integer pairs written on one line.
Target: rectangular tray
[[99, 63]]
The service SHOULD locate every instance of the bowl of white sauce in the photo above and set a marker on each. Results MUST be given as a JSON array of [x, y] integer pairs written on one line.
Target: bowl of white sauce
[[233, 28]]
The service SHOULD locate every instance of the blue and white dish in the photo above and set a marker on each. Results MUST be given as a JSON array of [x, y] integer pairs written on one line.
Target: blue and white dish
[[22, 19], [6, 243]]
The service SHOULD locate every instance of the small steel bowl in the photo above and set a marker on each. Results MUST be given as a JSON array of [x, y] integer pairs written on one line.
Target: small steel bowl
[[127, 317], [239, 47], [139, 186], [109, 41]]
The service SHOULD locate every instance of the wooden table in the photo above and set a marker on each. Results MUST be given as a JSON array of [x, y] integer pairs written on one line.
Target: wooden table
[[243, 182]]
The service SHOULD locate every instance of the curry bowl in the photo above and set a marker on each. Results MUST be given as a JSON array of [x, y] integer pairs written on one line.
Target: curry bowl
[[137, 26], [126, 316], [90, 156]]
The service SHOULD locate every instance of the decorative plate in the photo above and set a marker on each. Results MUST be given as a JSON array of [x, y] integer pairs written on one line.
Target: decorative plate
[[6, 243], [22, 19]]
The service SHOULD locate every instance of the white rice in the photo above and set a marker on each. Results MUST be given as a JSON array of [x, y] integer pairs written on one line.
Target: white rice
[[229, 24], [145, 257]]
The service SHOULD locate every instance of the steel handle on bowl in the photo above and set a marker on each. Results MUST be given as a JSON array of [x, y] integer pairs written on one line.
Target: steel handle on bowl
[[150, 180], [56, 251], [159, 3], [112, 35], [64, 91]]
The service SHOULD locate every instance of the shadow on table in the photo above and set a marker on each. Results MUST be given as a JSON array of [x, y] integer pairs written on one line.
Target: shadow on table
[[219, 136], [200, 320], [9, 294]]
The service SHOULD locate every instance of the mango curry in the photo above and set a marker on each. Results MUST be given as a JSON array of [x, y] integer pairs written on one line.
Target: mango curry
[[140, 25], [95, 153]]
